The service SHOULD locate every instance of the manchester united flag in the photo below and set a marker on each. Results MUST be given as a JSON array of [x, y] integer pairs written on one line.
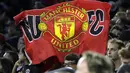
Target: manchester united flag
[[63, 28]]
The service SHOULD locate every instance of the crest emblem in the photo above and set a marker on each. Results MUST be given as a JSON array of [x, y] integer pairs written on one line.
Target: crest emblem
[[64, 27], [62, 23]]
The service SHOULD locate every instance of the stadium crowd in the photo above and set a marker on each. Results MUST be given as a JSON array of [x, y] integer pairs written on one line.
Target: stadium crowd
[[13, 58]]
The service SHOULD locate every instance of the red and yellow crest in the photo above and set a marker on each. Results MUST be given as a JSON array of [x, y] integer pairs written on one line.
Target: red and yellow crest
[[64, 27], [64, 21]]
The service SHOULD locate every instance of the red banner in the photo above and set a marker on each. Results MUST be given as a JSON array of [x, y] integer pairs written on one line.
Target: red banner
[[58, 30]]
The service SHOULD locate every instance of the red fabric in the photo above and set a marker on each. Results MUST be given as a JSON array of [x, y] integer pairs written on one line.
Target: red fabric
[[41, 48]]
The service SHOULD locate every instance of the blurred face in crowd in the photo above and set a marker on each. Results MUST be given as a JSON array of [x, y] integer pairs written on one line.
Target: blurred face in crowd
[[112, 51], [82, 66], [128, 14], [116, 32], [68, 63], [11, 29]]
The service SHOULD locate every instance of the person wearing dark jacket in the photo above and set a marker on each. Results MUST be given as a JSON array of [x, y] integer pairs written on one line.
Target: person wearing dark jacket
[[124, 54]]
